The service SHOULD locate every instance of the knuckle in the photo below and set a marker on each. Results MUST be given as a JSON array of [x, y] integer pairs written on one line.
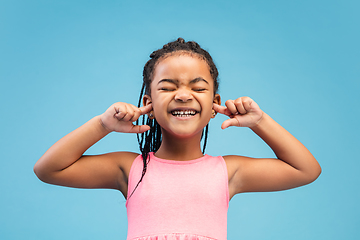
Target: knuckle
[[238, 101], [247, 99]]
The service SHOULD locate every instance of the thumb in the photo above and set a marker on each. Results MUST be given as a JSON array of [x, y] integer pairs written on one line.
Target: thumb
[[229, 122]]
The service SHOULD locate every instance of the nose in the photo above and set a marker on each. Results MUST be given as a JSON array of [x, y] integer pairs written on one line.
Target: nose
[[183, 95]]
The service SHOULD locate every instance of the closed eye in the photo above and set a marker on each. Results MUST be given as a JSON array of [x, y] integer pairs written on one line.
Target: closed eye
[[167, 89], [199, 89]]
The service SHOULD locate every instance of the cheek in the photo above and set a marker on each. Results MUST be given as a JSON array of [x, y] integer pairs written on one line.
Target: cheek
[[158, 106], [210, 109], [205, 101]]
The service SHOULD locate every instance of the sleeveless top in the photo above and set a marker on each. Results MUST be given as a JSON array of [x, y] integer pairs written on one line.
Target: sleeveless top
[[178, 200]]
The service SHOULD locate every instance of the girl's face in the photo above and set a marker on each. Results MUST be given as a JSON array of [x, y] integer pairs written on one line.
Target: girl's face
[[182, 95]]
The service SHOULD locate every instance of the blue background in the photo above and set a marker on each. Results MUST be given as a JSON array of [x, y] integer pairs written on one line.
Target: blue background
[[64, 62]]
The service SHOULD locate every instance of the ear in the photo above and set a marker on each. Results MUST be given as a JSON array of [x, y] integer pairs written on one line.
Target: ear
[[146, 100], [217, 100]]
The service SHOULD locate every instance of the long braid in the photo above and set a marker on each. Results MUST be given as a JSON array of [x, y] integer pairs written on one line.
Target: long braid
[[150, 141]]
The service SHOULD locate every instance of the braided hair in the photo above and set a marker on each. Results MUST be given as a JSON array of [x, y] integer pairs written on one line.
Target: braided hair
[[150, 141]]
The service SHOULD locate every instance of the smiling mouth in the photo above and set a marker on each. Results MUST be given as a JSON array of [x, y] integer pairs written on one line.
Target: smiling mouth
[[183, 113]]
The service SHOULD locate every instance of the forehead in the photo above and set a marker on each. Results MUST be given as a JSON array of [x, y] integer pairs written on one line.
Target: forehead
[[181, 66]]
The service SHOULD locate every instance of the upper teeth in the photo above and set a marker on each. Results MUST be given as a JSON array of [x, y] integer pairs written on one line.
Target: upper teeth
[[186, 112]]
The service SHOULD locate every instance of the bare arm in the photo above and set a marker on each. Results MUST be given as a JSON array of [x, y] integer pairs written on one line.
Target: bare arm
[[64, 163], [295, 165]]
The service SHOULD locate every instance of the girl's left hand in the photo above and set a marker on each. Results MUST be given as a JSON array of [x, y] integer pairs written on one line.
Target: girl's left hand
[[243, 112]]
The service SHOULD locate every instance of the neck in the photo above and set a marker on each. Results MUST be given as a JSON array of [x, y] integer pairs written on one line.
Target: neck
[[181, 149]]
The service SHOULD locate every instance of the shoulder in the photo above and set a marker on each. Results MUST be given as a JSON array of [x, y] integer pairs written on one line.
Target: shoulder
[[123, 160], [119, 160], [235, 166], [123, 156], [235, 163]]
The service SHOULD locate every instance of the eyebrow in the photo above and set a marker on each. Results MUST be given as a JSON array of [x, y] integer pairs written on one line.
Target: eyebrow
[[176, 82]]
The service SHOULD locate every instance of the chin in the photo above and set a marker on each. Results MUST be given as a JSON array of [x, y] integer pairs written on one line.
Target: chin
[[185, 134]]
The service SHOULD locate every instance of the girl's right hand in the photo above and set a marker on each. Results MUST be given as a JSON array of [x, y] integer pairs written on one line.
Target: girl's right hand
[[120, 117]]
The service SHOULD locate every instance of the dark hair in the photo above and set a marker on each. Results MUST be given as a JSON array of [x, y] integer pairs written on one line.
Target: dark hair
[[150, 141]]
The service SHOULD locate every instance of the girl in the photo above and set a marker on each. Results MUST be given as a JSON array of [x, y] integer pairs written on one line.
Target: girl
[[173, 190]]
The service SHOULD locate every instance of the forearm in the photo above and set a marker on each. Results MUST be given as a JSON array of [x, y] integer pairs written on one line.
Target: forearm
[[286, 147], [70, 148]]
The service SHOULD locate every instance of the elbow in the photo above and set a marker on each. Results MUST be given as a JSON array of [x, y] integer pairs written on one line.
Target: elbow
[[40, 173], [37, 172], [319, 170], [315, 173]]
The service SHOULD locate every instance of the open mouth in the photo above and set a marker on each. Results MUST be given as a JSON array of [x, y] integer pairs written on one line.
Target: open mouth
[[183, 113]]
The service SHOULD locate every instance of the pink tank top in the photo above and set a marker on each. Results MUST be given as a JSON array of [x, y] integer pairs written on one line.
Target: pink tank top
[[182, 200]]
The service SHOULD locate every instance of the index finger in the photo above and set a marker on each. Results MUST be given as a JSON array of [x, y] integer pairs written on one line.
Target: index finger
[[221, 109], [146, 109]]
